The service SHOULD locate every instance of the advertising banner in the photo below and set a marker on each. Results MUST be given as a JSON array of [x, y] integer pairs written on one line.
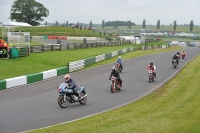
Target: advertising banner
[[56, 37]]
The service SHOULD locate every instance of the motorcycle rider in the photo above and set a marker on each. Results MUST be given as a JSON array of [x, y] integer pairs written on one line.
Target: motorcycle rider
[[175, 57], [116, 74], [72, 85], [183, 53], [119, 60], [178, 54], [58, 41], [152, 67]]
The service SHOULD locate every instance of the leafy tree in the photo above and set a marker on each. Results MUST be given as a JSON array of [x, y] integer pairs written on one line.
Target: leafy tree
[[191, 25], [174, 26], [67, 23], [90, 24], [116, 24], [28, 11], [158, 24], [144, 24], [129, 24], [103, 24], [119, 23]]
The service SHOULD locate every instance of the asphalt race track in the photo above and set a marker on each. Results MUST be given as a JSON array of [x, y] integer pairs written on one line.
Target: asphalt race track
[[35, 106], [53, 41]]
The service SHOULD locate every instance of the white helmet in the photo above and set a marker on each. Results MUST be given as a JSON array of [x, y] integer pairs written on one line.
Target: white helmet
[[119, 57]]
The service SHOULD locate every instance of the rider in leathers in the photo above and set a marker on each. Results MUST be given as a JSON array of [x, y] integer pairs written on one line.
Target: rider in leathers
[[116, 74], [152, 67], [119, 60], [72, 85], [175, 57]]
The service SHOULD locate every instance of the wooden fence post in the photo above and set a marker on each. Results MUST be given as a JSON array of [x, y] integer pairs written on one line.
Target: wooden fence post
[[42, 48], [31, 49], [52, 48], [68, 46]]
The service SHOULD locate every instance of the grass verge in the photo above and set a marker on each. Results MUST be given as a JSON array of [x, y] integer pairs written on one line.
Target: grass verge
[[38, 62], [171, 109]]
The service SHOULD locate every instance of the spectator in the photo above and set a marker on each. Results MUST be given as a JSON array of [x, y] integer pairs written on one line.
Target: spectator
[[80, 27]]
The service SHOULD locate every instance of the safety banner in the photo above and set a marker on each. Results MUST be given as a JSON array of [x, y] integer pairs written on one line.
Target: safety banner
[[58, 37]]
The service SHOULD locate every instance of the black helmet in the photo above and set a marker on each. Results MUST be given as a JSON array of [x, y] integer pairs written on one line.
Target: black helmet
[[178, 53], [151, 63]]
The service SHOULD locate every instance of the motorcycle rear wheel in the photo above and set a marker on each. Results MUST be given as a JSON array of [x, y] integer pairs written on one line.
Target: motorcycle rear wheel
[[62, 103]]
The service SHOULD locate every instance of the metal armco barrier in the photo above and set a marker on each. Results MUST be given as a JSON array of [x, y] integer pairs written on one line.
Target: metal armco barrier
[[52, 47], [76, 65]]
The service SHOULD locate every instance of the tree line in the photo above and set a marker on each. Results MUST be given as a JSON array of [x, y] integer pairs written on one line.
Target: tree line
[[32, 12]]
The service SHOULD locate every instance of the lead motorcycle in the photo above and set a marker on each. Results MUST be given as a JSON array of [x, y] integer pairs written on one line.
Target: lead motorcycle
[[115, 85], [66, 95]]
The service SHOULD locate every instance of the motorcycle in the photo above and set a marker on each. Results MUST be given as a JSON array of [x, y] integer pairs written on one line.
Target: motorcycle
[[174, 64], [182, 56], [119, 67], [115, 85], [66, 95], [151, 75]]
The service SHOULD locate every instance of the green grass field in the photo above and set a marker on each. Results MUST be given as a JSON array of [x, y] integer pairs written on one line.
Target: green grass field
[[170, 109], [56, 31]]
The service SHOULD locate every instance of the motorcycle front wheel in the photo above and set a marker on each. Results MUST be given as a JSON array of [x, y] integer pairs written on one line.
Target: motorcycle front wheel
[[150, 78], [61, 102], [83, 100], [112, 88], [174, 66]]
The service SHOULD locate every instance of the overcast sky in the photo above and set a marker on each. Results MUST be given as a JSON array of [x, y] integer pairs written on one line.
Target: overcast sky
[[83, 11]]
